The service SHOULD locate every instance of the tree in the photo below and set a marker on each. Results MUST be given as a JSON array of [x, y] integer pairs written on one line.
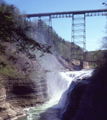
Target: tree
[[11, 32]]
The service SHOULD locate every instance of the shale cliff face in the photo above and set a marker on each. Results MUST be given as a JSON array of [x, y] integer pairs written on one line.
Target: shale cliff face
[[7, 111], [19, 93], [25, 92], [88, 100], [73, 99], [93, 104]]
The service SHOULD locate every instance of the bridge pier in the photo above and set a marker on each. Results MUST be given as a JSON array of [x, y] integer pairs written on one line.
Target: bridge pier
[[84, 65], [78, 34], [50, 30]]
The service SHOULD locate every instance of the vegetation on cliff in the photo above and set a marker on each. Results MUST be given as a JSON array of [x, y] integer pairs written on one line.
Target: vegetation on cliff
[[16, 44], [19, 36]]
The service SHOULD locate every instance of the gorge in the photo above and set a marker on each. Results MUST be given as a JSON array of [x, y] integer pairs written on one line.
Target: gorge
[[59, 90], [41, 76], [85, 99]]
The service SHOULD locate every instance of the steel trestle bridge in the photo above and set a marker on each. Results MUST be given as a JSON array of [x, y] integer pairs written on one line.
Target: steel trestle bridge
[[78, 24]]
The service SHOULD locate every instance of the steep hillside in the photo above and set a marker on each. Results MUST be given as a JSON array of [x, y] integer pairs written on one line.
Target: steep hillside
[[25, 58], [97, 57], [59, 46]]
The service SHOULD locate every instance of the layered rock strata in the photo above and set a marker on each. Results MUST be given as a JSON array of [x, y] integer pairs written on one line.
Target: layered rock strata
[[88, 101], [7, 111], [24, 92], [73, 99], [93, 105], [19, 93]]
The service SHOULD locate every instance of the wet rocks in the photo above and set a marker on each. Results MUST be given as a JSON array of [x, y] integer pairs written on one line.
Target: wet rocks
[[93, 105], [50, 114], [88, 101], [73, 99], [19, 93], [7, 111]]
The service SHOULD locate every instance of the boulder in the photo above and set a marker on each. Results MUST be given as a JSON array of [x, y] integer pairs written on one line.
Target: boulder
[[1, 118]]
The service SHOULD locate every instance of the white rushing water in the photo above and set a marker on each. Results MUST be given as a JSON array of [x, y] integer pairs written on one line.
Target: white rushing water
[[58, 84]]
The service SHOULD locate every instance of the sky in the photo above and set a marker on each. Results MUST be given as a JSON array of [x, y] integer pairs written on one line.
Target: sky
[[95, 26]]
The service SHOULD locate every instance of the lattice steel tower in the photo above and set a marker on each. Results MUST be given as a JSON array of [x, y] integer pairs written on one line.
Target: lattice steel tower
[[78, 26], [78, 35]]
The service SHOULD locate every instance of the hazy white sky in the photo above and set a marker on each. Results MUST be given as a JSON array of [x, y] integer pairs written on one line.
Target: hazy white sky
[[95, 26]]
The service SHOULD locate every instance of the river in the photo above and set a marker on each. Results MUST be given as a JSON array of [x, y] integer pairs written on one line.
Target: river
[[58, 86]]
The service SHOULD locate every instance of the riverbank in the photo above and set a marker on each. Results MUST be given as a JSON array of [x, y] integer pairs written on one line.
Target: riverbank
[[17, 94], [47, 113], [23, 92]]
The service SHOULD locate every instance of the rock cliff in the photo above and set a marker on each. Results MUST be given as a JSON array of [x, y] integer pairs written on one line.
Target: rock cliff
[[25, 92], [7, 111], [19, 93], [93, 105], [88, 100], [73, 99]]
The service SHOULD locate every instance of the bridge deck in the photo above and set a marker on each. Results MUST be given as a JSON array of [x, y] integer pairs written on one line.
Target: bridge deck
[[74, 14], [69, 13]]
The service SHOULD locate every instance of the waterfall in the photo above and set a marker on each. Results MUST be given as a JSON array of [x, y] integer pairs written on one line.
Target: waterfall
[[72, 78], [59, 84]]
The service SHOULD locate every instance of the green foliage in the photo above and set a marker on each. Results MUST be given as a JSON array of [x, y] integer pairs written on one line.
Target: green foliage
[[27, 37], [97, 57], [59, 46], [17, 31], [8, 69], [14, 30]]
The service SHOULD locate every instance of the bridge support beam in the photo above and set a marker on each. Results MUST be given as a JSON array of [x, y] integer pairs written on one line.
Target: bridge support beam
[[50, 30], [78, 36], [39, 24]]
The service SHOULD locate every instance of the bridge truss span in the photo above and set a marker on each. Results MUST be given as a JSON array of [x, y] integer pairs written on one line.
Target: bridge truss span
[[78, 35], [69, 13]]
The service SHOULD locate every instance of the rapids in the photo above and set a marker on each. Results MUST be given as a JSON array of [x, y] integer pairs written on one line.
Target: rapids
[[58, 87]]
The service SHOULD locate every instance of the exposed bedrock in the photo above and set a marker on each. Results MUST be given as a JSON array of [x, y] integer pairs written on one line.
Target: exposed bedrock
[[20, 93], [24, 92], [93, 105], [73, 99], [7, 111], [88, 101]]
